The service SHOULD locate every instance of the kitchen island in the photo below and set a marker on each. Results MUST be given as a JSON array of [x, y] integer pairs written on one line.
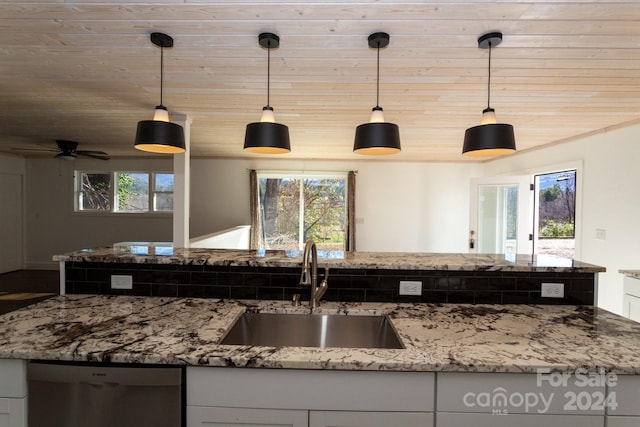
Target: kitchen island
[[161, 270], [451, 350], [451, 337]]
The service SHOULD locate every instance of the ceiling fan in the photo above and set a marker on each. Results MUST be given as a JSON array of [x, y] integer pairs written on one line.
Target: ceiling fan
[[67, 150]]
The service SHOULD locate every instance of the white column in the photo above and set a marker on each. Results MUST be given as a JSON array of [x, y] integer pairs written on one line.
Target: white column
[[182, 186]]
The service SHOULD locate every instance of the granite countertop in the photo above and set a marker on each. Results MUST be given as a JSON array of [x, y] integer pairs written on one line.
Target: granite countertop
[[452, 337], [630, 273], [166, 254]]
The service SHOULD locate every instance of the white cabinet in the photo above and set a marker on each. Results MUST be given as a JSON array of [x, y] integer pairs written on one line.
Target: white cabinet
[[203, 416], [623, 421], [13, 393], [626, 392], [444, 419], [631, 298], [369, 419], [523, 400], [286, 397]]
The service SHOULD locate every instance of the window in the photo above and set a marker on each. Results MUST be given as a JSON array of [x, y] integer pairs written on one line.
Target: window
[[124, 192], [295, 208], [556, 213]]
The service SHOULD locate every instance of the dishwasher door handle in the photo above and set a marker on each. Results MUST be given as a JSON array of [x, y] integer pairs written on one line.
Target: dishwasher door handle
[[99, 384]]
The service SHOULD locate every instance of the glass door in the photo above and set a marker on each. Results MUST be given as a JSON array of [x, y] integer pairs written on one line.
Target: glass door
[[501, 217]]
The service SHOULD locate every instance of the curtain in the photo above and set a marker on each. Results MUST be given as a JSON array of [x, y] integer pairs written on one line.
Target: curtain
[[253, 206], [350, 244]]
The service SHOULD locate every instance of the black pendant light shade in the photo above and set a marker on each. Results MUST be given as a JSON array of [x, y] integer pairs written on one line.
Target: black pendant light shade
[[160, 135], [489, 138], [267, 136], [377, 137], [155, 136]]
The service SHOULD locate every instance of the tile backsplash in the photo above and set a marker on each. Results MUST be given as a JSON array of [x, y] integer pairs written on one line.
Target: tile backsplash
[[345, 285]]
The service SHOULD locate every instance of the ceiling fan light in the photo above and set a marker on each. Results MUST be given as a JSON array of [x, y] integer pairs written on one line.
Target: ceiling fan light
[[66, 156]]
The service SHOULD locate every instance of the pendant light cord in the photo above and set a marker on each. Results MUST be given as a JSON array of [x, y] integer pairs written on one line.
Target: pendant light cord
[[161, 71], [378, 80], [268, 73], [489, 81]]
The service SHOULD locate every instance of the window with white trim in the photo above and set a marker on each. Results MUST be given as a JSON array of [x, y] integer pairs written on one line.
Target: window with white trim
[[123, 192]]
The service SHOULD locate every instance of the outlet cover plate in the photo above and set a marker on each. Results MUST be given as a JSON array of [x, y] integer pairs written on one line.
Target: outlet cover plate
[[410, 287], [120, 281], [552, 290]]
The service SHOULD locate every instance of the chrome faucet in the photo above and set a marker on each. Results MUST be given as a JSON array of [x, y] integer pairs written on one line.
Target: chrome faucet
[[309, 275]]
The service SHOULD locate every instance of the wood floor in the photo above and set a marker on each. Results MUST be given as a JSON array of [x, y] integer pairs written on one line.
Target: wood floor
[[25, 287]]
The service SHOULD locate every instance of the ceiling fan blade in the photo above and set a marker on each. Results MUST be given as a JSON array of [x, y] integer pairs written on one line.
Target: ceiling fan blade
[[43, 150], [95, 154]]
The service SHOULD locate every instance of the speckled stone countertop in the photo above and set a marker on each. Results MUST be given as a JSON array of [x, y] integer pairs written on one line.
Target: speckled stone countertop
[[453, 337], [630, 273], [151, 254]]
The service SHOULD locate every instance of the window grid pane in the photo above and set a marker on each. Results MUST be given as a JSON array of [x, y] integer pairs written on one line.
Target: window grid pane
[[132, 192], [94, 192]]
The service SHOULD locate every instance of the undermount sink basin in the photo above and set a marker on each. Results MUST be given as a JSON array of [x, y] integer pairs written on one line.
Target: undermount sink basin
[[312, 330]]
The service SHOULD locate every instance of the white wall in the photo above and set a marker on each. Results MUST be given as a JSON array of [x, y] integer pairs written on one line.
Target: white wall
[[12, 171], [413, 207], [611, 173], [52, 226]]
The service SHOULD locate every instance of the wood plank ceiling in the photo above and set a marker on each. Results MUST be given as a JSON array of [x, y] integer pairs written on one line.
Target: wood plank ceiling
[[86, 71]]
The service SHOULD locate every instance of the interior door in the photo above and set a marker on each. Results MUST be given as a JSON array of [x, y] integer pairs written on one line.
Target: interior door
[[501, 215], [10, 222]]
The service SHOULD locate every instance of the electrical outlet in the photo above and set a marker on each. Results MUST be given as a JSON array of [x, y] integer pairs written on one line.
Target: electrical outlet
[[410, 287], [601, 234], [552, 290], [119, 281]]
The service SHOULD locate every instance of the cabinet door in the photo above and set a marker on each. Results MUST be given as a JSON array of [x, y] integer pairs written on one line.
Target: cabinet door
[[205, 416], [13, 412], [623, 421], [633, 307], [445, 419], [369, 419]]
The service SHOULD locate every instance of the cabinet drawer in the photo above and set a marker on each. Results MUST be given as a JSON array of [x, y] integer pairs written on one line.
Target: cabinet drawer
[[13, 412], [519, 420], [13, 378], [627, 396], [199, 416], [516, 394], [369, 419], [320, 390]]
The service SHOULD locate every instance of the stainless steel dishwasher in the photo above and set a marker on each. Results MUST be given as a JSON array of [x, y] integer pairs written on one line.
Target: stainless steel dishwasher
[[90, 395]]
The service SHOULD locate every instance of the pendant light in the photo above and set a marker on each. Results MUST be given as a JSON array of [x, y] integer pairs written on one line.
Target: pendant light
[[377, 137], [160, 135], [267, 136], [489, 138]]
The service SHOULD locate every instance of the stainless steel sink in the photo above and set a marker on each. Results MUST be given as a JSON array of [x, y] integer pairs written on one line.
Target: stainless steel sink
[[312, 330]]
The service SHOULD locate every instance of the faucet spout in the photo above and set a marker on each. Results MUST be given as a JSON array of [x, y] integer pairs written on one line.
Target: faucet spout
[[309, 274]]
